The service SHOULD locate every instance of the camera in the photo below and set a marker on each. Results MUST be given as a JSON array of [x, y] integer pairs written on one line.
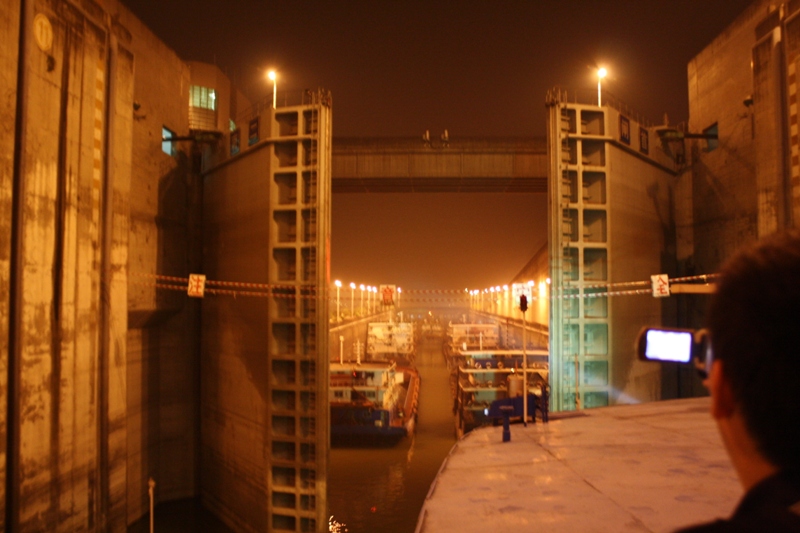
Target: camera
[[674, 345]]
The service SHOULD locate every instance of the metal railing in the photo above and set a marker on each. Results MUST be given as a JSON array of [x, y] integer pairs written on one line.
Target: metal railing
[[286, 99], [562, 95]]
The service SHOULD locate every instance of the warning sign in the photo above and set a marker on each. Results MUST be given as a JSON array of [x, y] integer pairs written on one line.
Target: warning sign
[[387, 294], [197, 285], [660, 284]]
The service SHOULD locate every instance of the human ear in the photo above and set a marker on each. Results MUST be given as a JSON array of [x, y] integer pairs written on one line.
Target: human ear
[[723, 404]]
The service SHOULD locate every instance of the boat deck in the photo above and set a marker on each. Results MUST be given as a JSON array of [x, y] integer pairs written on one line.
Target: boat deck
[[648, 467]]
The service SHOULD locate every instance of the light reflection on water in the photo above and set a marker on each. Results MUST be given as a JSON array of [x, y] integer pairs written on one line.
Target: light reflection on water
[[382, 489]]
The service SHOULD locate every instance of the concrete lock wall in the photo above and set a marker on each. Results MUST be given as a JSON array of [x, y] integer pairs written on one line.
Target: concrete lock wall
[[103, 364], [746, 184], [88, 424], [68, 290], [722, 214], [641, 230], [9, 50], [163, 335], [234, 365], [611, 223], [264, 355]]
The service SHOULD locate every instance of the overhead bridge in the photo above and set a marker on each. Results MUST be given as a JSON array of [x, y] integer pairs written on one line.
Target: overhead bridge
[[401, 164]]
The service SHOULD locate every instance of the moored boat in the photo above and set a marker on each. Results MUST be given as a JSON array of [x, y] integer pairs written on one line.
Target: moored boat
[[391, 341], [470, 337], [485, 380], [372, 403]]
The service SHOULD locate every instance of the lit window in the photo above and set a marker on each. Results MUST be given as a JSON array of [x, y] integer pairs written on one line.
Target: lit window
[[712, 144], [203, 97], [168, 147], [232, 124]]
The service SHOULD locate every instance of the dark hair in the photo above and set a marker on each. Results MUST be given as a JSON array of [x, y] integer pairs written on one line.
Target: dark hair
[[753, 319]]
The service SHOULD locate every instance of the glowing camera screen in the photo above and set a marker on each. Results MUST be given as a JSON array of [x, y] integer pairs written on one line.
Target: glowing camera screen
[[662, 345]]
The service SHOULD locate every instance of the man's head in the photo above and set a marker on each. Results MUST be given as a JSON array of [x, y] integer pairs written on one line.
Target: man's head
[[754, 323]]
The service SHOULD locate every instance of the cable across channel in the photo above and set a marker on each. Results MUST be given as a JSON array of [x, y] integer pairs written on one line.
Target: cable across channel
[[569, 291]]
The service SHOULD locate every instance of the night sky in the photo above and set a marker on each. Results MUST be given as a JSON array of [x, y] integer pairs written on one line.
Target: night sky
[[476, 68]]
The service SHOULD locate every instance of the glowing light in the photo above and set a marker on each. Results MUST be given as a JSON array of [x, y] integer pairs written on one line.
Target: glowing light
[[337, 283], [272, 75], [335, 526], [601, 73]]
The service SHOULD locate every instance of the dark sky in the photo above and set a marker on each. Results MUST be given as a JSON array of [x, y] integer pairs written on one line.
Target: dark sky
[[477, 68]]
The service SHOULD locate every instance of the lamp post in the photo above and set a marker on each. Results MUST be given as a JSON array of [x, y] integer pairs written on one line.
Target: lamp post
[[352, 299], [601, 73], [399, 292], [362, 298], [338, 289], [274, 77]]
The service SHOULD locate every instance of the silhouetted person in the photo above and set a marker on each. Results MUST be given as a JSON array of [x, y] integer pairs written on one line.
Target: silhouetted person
[[754, 381]]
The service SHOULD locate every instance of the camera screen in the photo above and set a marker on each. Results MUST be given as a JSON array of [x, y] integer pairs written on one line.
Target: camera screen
[[664, 345]]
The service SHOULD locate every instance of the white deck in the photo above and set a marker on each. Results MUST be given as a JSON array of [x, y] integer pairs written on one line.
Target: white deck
[[648, 467]]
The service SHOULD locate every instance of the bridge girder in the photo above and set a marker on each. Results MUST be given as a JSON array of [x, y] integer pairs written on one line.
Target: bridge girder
[[462, 165]]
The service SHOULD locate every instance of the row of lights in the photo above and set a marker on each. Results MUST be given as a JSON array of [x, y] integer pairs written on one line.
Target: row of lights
[[370, 291], [498, 289]]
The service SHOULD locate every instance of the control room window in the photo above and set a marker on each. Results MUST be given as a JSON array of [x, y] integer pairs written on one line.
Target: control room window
[[167, 146], [712, 143], [203, 97], [203, 109]]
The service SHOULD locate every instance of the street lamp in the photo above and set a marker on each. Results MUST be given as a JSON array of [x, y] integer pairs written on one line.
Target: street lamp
[[399, 292], [338, 288], [601, 73], [274, 77], [362, 298], [352, 299]]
